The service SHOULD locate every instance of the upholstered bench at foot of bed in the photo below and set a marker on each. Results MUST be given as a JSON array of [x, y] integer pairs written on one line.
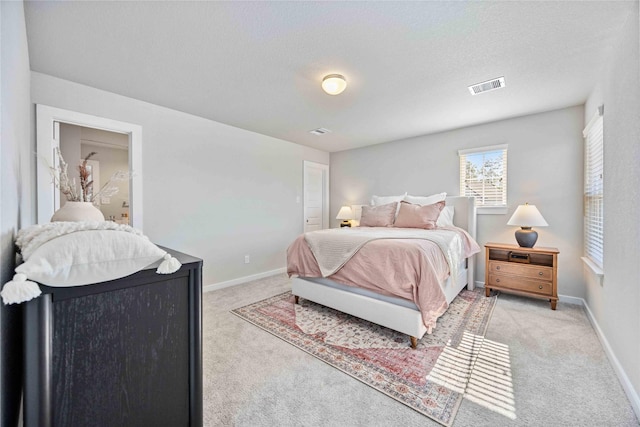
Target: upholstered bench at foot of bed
[[399, 318]]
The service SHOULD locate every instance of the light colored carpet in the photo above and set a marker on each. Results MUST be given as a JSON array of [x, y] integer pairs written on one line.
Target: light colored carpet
[[561, 376]]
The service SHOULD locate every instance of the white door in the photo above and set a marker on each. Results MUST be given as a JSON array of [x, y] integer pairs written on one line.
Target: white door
[[316, 196]]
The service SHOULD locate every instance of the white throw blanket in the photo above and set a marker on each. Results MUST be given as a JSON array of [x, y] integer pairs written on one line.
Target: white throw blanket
[[332, 248]]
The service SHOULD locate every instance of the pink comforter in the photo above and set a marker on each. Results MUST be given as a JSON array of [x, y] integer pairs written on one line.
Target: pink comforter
[[413, 269]]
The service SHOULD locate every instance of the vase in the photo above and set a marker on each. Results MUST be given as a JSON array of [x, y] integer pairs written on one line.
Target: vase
[[78, 211]]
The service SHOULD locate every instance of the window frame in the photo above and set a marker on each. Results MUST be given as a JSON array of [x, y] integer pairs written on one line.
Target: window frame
[[593, 194], [500, 208]]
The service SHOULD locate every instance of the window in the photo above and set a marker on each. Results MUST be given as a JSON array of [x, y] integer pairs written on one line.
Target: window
[[594, 190], [483, 175]]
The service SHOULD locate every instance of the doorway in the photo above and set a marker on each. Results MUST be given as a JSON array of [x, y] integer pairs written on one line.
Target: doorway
[[316, 196]]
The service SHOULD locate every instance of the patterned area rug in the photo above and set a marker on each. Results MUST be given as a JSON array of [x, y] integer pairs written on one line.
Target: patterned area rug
[[430, 379]]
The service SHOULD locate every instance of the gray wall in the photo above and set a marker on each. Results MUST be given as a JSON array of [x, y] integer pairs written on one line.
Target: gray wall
[[616, 303], [544, 168], [16, 209], [210, 190]]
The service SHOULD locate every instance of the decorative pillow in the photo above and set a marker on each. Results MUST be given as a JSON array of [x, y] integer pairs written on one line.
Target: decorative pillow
[[385, 200], [416, 216], [80, 253], [425, 200], [446, 217], [378, 216], [89, 256]]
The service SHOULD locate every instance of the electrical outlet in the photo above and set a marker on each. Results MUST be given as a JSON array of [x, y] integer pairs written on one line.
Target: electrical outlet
[[247, 259]]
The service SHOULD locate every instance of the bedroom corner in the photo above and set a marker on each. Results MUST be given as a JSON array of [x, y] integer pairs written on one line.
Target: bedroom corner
[[16, 200]]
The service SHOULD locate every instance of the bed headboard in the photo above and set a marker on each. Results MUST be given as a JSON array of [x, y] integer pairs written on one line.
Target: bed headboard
[[464, 213]]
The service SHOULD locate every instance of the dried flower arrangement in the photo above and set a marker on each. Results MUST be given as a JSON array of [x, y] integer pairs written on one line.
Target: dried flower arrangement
[[69, 188]]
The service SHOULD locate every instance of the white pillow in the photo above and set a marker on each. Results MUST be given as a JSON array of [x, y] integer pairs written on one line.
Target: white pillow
[[425, 200], [446, 217], [89, 256], [385, 200]]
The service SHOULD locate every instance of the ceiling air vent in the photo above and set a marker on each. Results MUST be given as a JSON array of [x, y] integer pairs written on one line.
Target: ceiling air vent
[[487, 86], [320, 131]]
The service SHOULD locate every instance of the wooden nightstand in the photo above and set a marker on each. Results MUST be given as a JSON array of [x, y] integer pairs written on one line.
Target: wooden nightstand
[[526, 271]]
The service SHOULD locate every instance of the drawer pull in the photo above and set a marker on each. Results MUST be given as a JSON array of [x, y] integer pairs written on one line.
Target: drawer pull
[[540, 287], [498, 268], [498, 280], [540, 273]]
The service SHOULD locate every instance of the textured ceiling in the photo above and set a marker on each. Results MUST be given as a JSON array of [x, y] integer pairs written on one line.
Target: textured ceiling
[[258, 65]]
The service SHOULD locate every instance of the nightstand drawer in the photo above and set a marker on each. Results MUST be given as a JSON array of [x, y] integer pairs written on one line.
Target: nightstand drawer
[[531, 271], [521, 284]]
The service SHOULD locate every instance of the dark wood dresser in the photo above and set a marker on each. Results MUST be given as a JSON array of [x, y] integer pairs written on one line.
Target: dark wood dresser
[[126, 352]]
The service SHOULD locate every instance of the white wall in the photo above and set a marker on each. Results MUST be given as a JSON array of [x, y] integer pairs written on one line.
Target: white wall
[[616, 303], [210, 190], [544, 168], [16, 204]]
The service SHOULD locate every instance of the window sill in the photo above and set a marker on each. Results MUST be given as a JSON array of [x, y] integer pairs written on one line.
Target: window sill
[[597, 271], [491, 210]]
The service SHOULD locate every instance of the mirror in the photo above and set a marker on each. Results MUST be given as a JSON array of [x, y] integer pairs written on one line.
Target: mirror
[[110, 155], [98, 136]]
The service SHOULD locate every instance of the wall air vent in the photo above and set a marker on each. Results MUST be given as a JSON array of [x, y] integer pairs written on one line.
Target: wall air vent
[[320, 131], [487, 86]]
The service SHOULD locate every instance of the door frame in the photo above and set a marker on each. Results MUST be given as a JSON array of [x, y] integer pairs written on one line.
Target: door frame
[[46, 117], [325, 192]]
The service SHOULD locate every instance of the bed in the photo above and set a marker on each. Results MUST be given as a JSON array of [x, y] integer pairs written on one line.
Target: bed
[[360, 297]]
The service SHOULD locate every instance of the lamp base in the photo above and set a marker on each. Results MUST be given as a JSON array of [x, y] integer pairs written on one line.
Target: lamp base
[[345, 223], [526, 237]]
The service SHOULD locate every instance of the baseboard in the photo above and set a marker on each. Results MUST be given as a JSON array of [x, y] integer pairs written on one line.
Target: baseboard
[[571, 300], [631, 393], [240, 280]]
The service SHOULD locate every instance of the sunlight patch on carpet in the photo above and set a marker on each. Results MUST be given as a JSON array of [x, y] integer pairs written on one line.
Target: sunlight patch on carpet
[[454, 365], [490, 384], [481, 370]]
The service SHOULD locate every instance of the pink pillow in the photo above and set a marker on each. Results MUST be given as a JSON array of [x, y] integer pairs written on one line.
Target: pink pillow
[[416, 216], [378, 216]]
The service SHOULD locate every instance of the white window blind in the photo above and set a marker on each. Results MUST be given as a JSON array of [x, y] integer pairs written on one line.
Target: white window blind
[[594, 190], [483, 175]]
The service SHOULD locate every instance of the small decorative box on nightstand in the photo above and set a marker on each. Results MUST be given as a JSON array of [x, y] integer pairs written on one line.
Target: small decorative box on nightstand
[[526, 271]]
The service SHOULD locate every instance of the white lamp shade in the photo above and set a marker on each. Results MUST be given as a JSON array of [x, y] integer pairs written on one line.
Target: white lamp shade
[[345, 213], [527, 216], [334, 84]]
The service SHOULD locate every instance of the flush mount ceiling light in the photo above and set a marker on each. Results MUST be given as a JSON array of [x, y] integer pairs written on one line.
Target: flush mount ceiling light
[[334, 84]]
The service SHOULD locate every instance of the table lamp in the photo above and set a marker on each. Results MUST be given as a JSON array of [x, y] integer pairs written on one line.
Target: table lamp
[[527, 216], [345, 214]]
